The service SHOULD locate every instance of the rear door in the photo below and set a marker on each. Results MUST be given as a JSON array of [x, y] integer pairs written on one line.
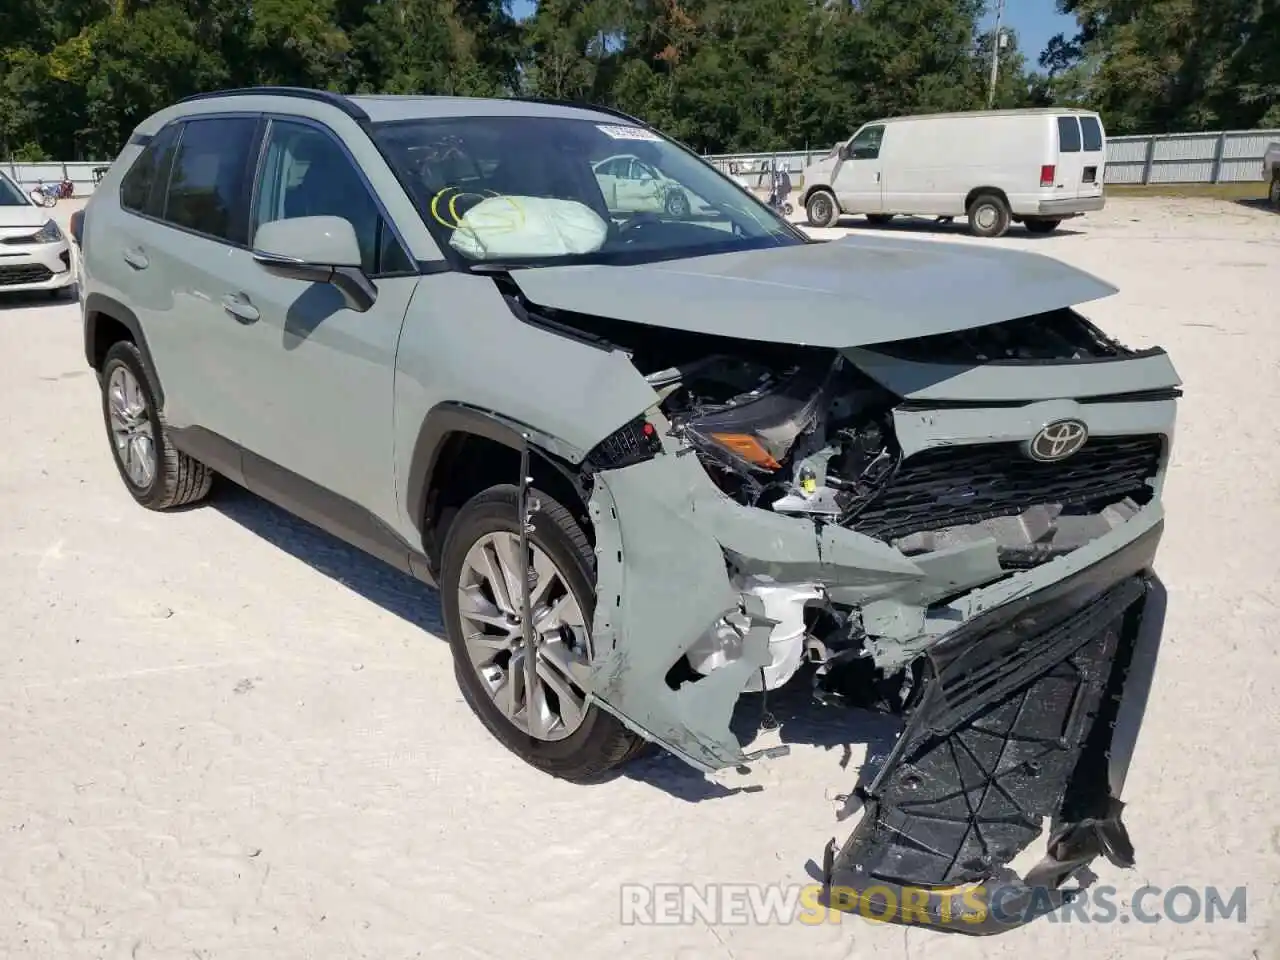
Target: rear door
[[857, 181], [1070, 167], [200, 227], [1093, 155], [191, 223]]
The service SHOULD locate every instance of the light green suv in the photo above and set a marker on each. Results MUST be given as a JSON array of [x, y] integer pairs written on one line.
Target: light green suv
[[659, 460]]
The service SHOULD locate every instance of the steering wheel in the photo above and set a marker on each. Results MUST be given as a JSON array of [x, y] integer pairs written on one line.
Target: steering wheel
[[638, 220]]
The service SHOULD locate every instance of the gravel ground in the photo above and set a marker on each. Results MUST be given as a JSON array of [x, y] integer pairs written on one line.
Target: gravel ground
[[231, 736]]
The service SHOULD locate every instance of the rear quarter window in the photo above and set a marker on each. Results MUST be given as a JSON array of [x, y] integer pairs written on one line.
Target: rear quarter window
[[1068, 135], [138, 187], [1092, 131]]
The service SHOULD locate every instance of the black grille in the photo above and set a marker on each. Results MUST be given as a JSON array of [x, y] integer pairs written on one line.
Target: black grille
[[951, 486], [634, 443], [24, 273]]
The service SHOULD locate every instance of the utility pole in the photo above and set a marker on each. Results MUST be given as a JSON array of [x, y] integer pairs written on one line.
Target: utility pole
[[995, 55]]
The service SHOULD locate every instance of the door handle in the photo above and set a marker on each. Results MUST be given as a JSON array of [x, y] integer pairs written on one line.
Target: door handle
[[136, 258], [238, 306]]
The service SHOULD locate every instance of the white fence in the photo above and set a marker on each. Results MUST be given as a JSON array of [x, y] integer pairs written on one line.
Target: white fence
[[31, 174], [1226, 156]]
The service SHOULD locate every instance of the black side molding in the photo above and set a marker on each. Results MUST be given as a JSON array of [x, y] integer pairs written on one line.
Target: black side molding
[[304, 499], [97, 306], [441, 421]]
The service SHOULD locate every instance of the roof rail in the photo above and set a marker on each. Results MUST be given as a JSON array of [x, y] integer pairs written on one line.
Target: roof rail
[[303, 93], [552, 101]]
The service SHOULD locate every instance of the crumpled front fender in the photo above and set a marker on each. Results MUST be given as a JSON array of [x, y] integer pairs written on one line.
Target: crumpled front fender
[[664, 536]]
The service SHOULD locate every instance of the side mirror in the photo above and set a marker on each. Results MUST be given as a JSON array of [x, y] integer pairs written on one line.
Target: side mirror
[[317, 250]]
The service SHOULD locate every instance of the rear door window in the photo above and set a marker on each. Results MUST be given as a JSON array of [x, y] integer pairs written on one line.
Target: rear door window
[[1068, 135], [1092, 133], [207, 188]]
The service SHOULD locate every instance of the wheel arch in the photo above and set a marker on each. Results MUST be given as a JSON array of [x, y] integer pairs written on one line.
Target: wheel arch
[[461, 450], [107, 321], [819, 188], [976, 192]]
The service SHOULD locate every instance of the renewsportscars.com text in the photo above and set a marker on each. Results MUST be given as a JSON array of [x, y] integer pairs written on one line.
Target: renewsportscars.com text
[[749, 904]]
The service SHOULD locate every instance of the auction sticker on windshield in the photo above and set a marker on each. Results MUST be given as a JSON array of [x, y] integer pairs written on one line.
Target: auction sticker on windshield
[[627, 133]]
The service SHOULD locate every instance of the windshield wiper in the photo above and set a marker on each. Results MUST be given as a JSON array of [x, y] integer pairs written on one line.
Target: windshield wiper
[[494, 266]]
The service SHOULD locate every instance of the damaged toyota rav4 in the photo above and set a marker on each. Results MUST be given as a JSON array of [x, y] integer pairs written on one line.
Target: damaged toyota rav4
[[658, 449]]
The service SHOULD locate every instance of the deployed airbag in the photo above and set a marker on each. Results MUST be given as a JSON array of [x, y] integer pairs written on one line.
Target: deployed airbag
[[508, 226]]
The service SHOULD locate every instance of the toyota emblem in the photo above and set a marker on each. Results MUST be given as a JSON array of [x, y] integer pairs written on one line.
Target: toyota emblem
[[1057, 441]]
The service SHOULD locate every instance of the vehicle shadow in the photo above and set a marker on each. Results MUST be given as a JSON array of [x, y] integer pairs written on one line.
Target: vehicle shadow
[[1259, 203], [380, 584], [957, 227], [18, 300], [798, 719]]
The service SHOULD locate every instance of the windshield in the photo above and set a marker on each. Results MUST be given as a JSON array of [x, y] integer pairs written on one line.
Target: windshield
[[10, 194], [536, 191]]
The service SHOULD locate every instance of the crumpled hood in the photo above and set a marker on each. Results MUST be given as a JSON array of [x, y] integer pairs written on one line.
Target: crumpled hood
[[845, 293]]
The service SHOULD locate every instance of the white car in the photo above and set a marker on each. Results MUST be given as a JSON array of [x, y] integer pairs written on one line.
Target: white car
[[35, 254], [630, 185]]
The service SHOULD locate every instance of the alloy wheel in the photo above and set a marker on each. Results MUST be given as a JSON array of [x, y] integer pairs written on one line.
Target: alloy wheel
[[545, 702], [131, 428]]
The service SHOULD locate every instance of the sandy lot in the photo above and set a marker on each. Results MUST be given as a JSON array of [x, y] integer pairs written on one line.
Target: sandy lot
[[228, 735]]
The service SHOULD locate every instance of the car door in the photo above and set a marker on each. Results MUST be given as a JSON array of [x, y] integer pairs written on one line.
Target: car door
[[1070, 166], [609, 173], [317, 375], [1093, 156], [857, 181], [647, 185], [178, 251]]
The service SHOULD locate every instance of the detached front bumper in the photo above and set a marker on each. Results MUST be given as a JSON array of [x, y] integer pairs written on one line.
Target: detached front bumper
[[1026, 713]]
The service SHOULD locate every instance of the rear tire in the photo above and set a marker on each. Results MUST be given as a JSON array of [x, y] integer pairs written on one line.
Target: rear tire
[[156, 474], [599, 742], [1042, 226], [1274, 193], [879, 219], [989, 216], [821, 209]]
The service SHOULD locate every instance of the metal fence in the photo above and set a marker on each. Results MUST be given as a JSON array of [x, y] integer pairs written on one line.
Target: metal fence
[[1225, 156]]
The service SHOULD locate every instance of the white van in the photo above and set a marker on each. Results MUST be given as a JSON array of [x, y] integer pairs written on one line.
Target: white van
[[1036, 167]]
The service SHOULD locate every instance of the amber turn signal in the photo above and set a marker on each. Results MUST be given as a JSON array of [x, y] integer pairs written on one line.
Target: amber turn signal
[[748, 448]]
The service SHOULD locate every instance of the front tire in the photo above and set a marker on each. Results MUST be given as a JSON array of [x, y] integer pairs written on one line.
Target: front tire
[[155, 473], [989, 216], [546, 723], [677, 204], [822, 209]]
